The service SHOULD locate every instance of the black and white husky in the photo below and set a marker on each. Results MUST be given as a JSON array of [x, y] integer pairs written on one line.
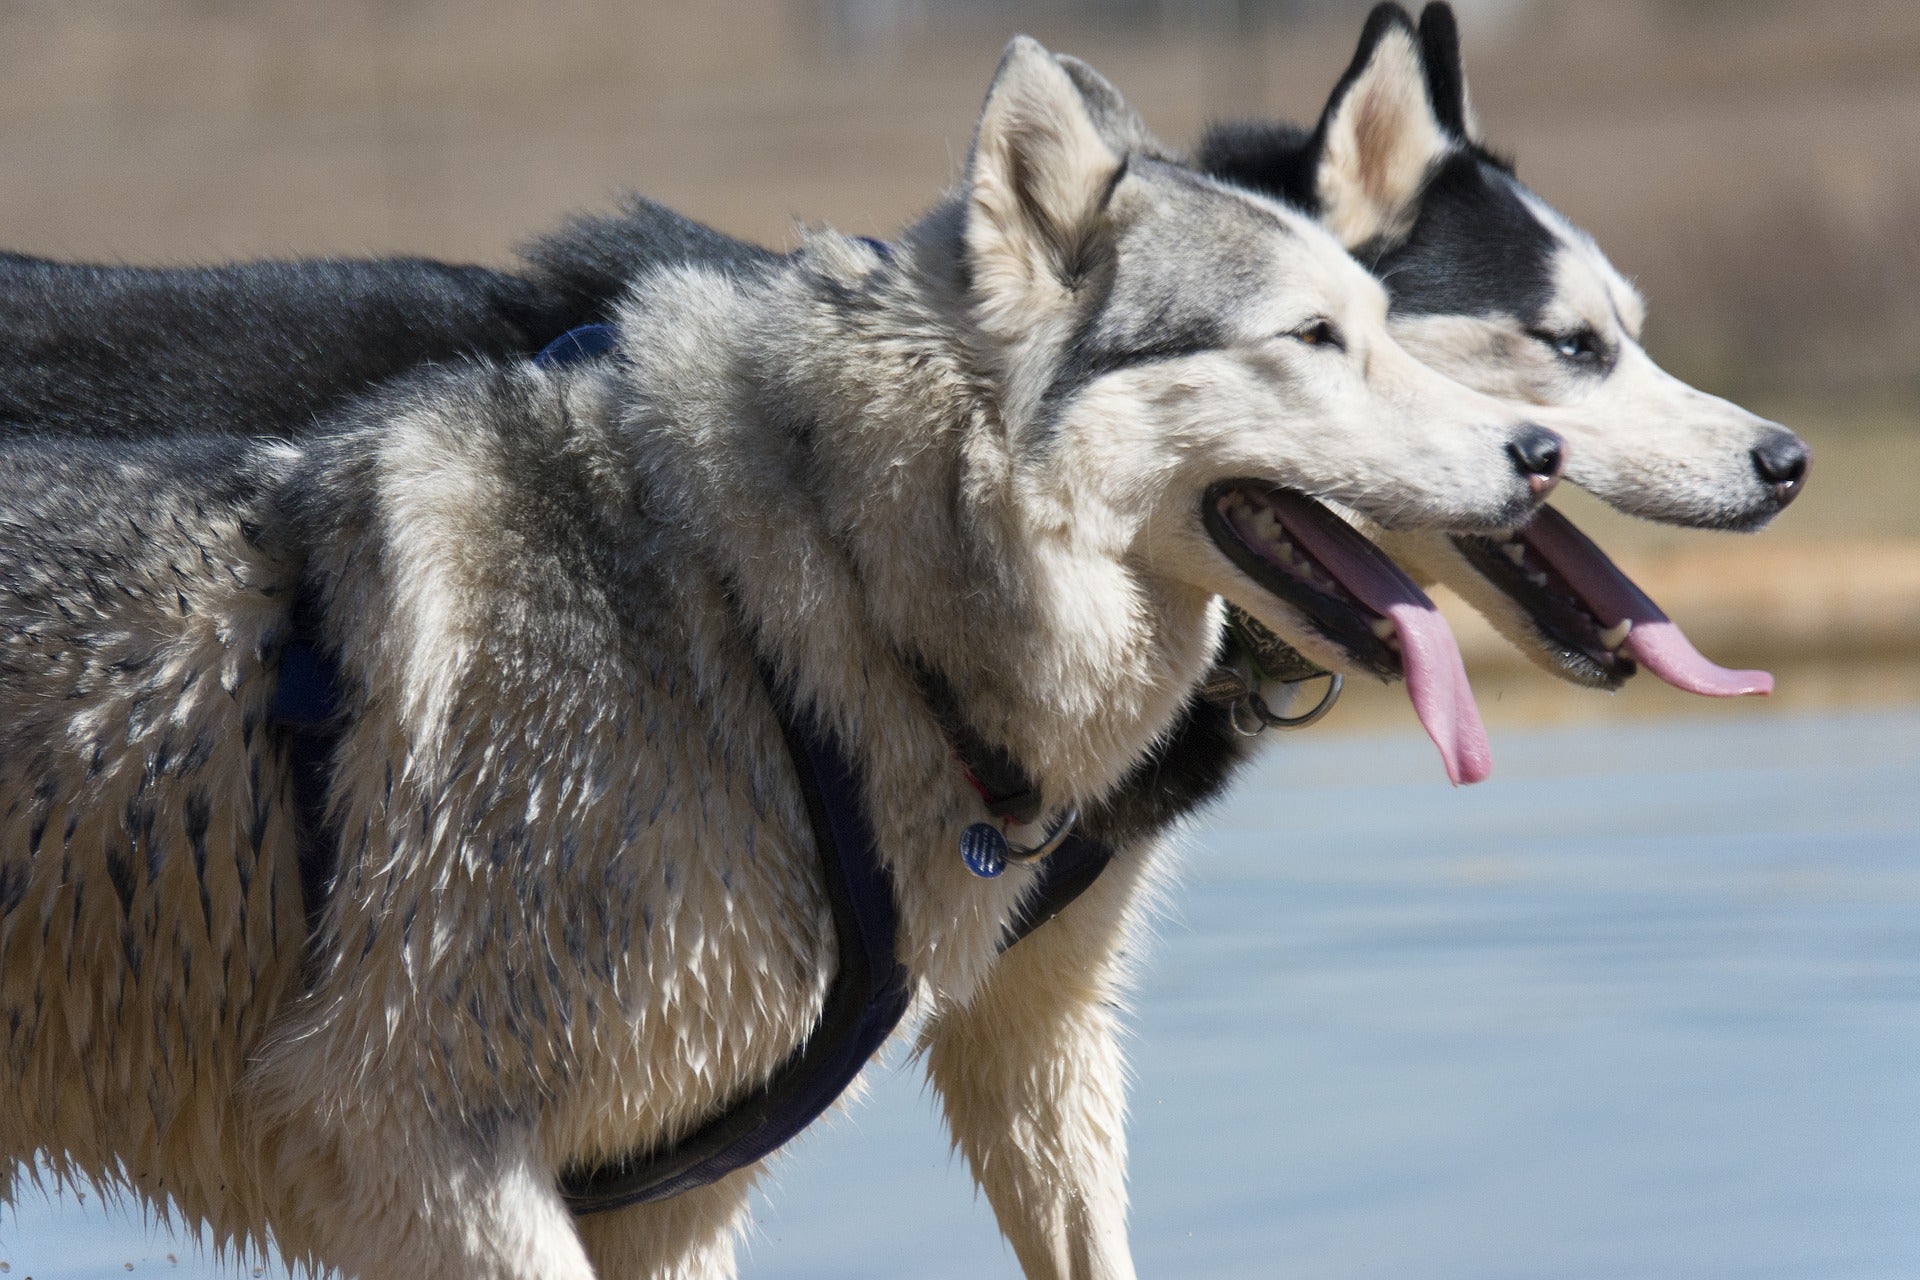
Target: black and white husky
[[1495, 288], [1021, 455]]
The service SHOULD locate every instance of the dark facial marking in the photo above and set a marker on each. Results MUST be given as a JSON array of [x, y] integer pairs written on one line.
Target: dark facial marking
[[1094, 354], [1159, 304], [1476, 249]]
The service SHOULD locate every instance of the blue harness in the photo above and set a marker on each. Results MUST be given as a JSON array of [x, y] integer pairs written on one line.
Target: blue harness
[[870, 988]]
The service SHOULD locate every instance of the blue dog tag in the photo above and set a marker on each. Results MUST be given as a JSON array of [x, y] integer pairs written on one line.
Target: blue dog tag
[[984, 849]]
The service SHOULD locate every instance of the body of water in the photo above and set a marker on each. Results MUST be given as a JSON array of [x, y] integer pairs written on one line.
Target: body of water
[[1646, 1005]]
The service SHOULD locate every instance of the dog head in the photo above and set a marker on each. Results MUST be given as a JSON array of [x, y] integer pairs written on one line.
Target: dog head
[[1496, 289], [1185, 369]]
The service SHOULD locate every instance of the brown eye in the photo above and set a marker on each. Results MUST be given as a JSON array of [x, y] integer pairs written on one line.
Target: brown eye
[[1319, 333]]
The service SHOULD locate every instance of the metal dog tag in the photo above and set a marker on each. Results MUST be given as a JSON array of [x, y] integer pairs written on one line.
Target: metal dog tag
[[984, 849]]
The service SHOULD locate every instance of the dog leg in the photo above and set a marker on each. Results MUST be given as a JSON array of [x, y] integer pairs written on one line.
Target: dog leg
[[1031, 1077], [689, 1237], [385, 1208]]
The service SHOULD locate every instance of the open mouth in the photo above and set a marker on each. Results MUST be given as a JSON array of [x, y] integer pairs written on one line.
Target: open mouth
[[1601, 624], [1356, 600]]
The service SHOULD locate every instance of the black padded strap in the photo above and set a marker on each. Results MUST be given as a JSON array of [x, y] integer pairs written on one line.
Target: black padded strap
[[306, 711], [1068, 872], [866, 1002]]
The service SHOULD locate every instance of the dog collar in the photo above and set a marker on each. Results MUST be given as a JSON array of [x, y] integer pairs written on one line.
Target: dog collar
[[1253, 662], [1020, 831]]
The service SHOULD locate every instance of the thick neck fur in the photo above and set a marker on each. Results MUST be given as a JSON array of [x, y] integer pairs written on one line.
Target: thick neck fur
[[869, 508]]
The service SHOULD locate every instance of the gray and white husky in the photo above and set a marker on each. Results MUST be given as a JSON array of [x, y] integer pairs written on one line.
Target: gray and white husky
[[1493, 287], [1027, 450]]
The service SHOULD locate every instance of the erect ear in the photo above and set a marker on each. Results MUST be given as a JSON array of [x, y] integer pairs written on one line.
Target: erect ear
[[1038, 180], [1119, 124], [1379, 137], [1446, 72]]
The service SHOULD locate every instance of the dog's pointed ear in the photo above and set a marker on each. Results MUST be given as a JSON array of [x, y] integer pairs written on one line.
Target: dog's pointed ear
[[1447, 71], [1117, 122], [1380, 136], [1038, 179]]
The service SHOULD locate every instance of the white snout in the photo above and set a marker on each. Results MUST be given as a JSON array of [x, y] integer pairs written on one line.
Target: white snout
[[1467, 461], [1652, 446]]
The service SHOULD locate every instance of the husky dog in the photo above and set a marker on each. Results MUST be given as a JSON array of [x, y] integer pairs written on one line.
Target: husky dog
[[1023, 453], [1493, 287]]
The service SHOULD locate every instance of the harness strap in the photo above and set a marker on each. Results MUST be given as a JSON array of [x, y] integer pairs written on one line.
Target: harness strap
[[866, 1002], [575, 345], [1067, 872], [306, 707]]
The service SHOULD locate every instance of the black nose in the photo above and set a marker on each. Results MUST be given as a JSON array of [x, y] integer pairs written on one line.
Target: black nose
[[1536, 454], [1782, 460]]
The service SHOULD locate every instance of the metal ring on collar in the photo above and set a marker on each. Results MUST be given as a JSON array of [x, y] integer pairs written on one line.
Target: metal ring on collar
[[1056, 836], [1245, 721], [1257, 706]]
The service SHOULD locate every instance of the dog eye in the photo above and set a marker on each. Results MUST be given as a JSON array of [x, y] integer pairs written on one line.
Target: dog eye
[[1319, 333], [1576, 346]]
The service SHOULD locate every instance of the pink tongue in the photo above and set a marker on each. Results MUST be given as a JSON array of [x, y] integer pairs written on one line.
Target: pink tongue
[[1655, 642], [1436, 678]]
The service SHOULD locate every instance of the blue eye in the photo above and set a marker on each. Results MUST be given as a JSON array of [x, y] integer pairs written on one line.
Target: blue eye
[[1576, 346]]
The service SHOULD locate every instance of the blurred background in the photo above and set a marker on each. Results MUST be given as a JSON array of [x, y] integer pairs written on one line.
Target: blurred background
[[1648, 1003]]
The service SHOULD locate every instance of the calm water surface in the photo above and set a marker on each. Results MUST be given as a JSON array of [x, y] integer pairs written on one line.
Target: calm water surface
[[1645, 1005]]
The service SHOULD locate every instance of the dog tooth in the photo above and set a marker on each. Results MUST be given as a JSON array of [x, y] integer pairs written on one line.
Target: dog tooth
[[1537, 579], [1383, 628], [1514, 551], [1616, 635]]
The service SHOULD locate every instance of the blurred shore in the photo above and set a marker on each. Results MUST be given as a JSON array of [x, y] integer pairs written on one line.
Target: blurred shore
[[1752, 166]]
